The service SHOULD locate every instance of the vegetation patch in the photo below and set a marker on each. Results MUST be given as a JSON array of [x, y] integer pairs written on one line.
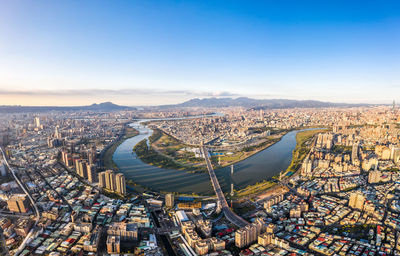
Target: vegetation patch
[[302, 149], [255, 189], [172, 153], [354, 231], [243, 208], [339, 149], [262, 145], [152, 157]]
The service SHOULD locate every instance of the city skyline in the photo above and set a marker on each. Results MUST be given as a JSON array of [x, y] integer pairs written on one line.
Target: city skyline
[[215, 128], [152, 53]]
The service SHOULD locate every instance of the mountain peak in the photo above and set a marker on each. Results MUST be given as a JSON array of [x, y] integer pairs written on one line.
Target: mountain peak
[[259, 103]]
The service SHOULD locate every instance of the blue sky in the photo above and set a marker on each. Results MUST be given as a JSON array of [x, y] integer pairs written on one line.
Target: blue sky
[[159, 52]]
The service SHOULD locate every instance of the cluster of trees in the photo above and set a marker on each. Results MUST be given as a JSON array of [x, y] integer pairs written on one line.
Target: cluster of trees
[[150, 156]]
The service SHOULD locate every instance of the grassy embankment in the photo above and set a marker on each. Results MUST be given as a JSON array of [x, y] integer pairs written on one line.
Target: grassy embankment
[[339, 149], [299, 154], [109, 163], [167, 152], [301, 150], [255, 189], [237, 156], [164, 159], [175, 149], [107, 158], [226, 160]]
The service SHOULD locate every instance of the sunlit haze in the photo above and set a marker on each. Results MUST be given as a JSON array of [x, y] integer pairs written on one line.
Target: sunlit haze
[[199, 128], [163, 52]]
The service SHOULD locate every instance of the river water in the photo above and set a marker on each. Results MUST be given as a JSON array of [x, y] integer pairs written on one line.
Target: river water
[[258, 167]]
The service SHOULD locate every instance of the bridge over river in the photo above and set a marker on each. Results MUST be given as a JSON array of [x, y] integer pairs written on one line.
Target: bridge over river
[[227, 211]]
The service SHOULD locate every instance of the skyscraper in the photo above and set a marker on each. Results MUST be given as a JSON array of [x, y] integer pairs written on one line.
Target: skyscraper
[[120, 182], [113, 182], [81, 168], [37, 122], [307, 167], [57, 134], [354, 154], [91, 173], [110, 180], [102, 179]]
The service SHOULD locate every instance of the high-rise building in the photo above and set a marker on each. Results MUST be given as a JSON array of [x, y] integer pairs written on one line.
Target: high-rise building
[[201, 247], [91, 173], [303, 206], [123, 230], [57, 134], [113, 244], [18, 203], [110, 180], [248, 235], [267, 238], [37, 122], [241, 238], [357, 200], [270, 228], [102, 179], [120, 183], [295, 212], [91, 155], [81, 168], [113, 182], [374, 176], [307, 167], [92, 243], [354, 154], [67, 158], [324, 140], [251, 233], [169, 200], [76, 159]]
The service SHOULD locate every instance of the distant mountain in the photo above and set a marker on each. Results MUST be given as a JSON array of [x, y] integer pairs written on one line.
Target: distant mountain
[[106, 106], [102, 107], [203, 103], [260, 103]]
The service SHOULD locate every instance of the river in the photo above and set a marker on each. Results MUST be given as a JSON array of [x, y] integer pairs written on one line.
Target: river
[[258, 167]]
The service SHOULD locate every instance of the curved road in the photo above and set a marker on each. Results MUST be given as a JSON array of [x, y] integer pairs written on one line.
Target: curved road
[[229, 214], [37, 213]]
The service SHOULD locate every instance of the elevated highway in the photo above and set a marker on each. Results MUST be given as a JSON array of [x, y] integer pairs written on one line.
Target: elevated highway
[[222, 203]]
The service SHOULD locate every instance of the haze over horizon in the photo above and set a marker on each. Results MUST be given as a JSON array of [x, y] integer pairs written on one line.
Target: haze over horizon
[[167, 52], [193, 102]]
